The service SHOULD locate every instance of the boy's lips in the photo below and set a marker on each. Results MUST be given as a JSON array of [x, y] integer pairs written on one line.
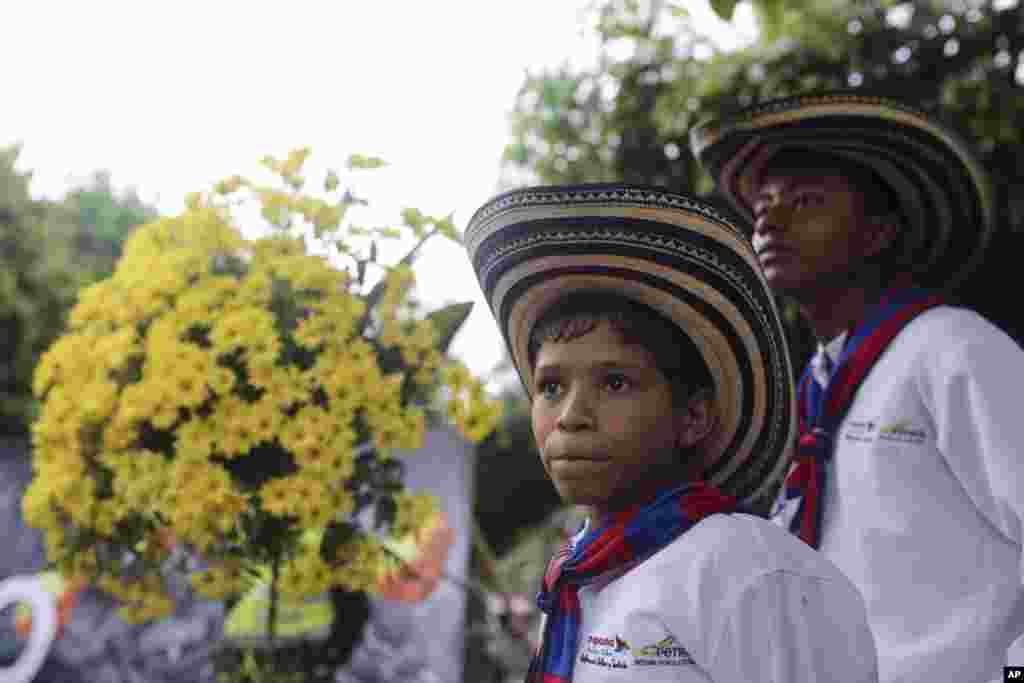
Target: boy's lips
[[572, 461], [580, 454], [770, 252]]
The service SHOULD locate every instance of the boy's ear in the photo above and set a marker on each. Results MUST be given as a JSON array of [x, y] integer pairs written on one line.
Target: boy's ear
[[697, 419], [879, 232]]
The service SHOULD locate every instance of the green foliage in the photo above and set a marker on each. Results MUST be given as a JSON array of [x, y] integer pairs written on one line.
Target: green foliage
[[363, 162], [448, 321], [628, 118], [725, 8], [103, 218], [38, 280]]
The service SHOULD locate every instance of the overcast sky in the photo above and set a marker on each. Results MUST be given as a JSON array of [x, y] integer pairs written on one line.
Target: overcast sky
[[172, 96]]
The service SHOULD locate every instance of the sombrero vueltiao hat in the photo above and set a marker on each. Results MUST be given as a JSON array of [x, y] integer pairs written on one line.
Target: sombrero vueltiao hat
[[944, 192], [532, 247]]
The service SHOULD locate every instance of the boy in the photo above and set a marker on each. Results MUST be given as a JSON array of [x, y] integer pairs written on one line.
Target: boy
[[865, 209], [658, 373]]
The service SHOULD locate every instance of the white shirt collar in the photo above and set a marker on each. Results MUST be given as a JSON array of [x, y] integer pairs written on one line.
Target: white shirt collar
[[832, 350], [835, 347]]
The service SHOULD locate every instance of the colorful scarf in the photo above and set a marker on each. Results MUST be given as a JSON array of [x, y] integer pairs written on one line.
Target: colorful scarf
[[631, 535], [822, 409]]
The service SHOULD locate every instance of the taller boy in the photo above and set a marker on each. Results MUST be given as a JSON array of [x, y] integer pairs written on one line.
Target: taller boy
[[910, 476]]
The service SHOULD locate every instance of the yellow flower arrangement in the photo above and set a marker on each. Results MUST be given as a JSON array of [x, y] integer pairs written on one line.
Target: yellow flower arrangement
[[239, 394]]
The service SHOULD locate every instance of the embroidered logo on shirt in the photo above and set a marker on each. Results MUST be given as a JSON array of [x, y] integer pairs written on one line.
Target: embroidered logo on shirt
[[604, 651], [665, 652], [861, 430], [869, 431], [902, 431]]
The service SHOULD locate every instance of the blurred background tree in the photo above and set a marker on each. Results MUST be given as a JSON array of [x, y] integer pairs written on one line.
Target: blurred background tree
[[628, 118], [48, 249], [103, 217], [513, 491], [37, 285]]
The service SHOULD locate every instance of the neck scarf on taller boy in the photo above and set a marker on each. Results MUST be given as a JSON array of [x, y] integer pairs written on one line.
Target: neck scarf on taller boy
[[628, 536], [822, 409]]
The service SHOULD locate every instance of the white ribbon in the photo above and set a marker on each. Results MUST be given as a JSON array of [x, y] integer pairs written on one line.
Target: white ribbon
[[30, 590]]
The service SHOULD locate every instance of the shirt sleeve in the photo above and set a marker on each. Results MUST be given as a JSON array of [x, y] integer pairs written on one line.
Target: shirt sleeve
[[972, 387], [787, 627]]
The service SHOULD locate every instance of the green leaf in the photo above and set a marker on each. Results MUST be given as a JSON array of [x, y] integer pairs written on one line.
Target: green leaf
[[772, 14], [678, 11], [413, 217], [448, 321], [374, 297], [362, 162], [725, 8], [446, 226], [517, 153], [331, 182]]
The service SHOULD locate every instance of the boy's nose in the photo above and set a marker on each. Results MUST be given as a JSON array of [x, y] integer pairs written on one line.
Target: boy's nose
[[577, 413]]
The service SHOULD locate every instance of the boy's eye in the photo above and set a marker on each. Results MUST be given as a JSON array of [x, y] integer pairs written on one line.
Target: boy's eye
[[549, 389], [617, 382], [806, 199]]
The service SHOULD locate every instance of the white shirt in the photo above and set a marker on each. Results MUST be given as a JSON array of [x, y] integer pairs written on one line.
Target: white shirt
[[735, 599], [926, 500]]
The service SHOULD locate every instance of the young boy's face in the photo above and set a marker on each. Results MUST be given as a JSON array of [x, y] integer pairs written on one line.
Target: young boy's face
[[604, 420]]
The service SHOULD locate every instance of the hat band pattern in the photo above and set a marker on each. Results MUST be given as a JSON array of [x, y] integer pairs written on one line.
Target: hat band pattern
[[945, 191]]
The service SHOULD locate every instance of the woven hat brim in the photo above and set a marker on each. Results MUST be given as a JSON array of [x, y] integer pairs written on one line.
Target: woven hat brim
[[531, 248], [944, 191]]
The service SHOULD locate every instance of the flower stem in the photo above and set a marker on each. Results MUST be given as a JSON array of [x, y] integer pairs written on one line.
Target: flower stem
[[275, 570]]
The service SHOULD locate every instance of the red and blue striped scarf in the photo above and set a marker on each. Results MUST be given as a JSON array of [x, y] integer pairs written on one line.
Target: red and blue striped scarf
[[822, 410], [629, 536]]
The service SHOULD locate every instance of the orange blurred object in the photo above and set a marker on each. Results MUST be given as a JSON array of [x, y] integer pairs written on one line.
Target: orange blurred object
[[415, 581], [66, 602]]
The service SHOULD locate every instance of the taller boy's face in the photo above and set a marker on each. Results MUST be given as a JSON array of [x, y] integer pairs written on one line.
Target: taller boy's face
[[603, 419], [808, 230]]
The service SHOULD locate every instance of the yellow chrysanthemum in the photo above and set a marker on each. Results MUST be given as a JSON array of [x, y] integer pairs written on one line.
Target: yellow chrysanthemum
[[263, 420], [59, 364], [195, 437], [305, 498], [236, 329], [288, 386], [362, 563], [221, 581], [256, 288], [37, 507], [118, 347], [99, 399]]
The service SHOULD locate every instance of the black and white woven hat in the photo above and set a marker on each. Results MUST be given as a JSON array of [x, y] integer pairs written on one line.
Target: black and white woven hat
[[944, 191], [532, 247]]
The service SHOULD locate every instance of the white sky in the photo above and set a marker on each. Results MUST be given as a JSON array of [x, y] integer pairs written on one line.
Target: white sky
[[173, 96]]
